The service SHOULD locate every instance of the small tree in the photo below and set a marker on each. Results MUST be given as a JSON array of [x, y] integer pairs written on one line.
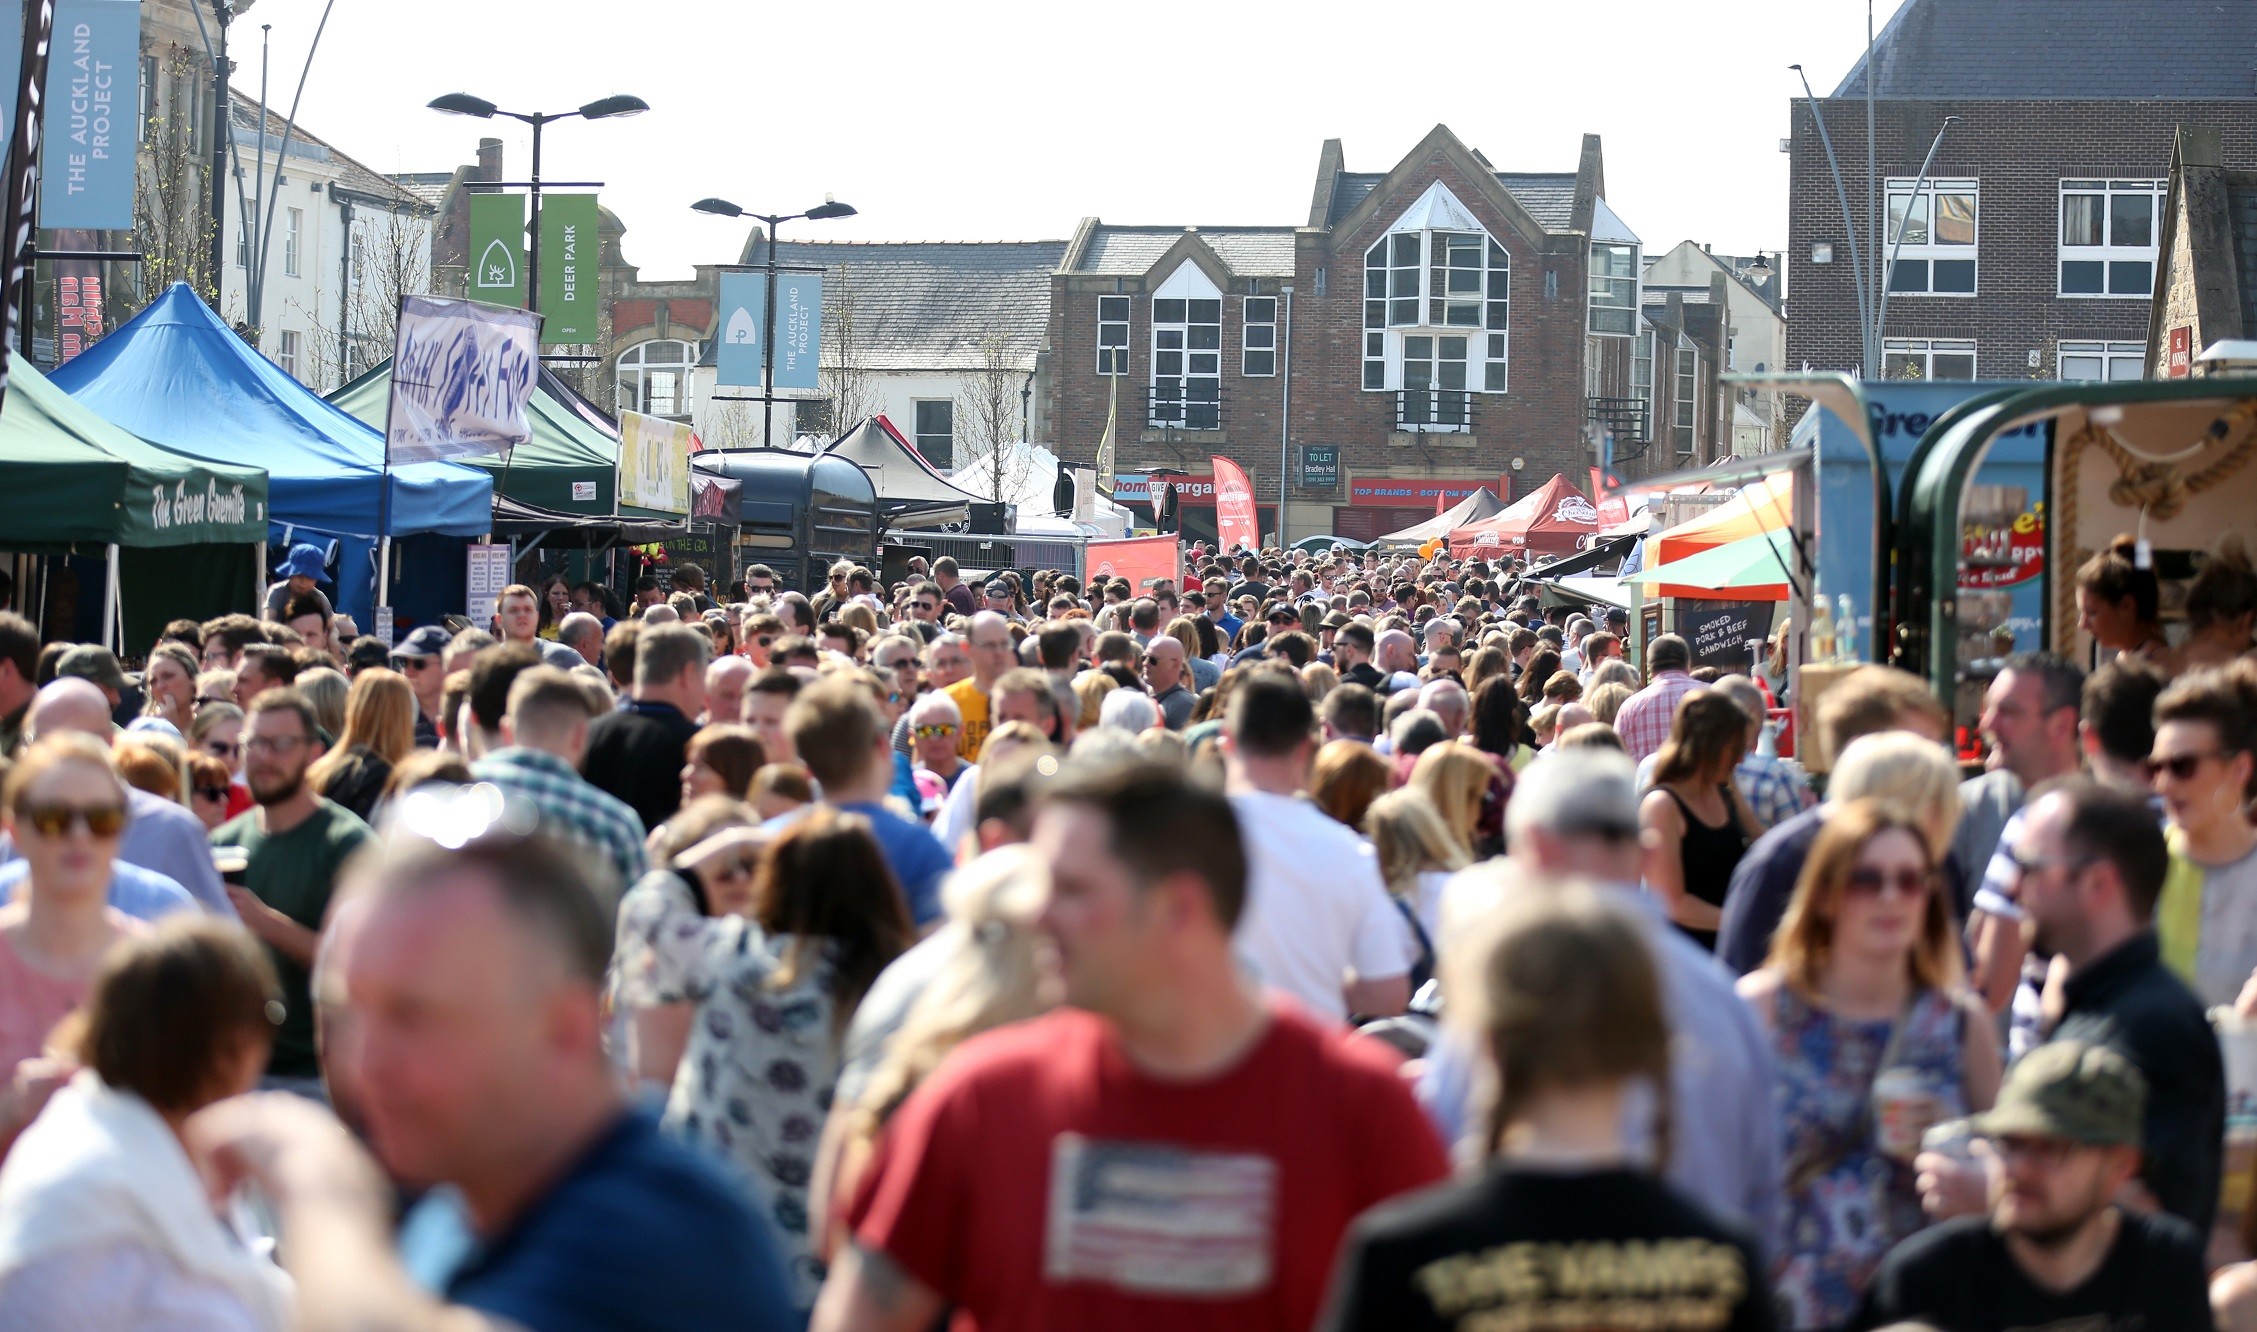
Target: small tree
[[849, 391], [391, 260], [987, 422]]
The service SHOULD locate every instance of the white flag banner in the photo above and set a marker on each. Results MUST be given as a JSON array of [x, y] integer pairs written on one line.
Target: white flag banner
[[462, 373]]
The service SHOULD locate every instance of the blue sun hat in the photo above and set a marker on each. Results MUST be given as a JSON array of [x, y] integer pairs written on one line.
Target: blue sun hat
[[303, 561]]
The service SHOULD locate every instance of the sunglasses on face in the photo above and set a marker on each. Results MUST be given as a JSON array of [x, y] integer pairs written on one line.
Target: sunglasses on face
[[2182, 767], [221, 749], [1866, 882], [56, 820], [211, 793], [735, 867], [765, 640], [935, 732]]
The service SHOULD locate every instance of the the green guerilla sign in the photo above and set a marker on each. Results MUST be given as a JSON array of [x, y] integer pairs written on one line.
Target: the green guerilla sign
[[497, 249], [569, 248]]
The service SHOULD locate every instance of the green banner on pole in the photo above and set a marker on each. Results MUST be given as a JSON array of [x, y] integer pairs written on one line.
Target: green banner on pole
[[497, 249], [569, 255]]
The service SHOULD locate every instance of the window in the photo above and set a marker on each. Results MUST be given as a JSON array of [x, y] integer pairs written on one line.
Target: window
[[1187, 352], [287, 357], [1642, 374], [654, 377], [2108, 237], [148, 97], [293, 228], [1927, 358], [1258, 355], [1937, 229], [1688, 401], [2103, 360], [1436, 281], [1614, 290], [242, 245], [1112, 335], [936, 432]]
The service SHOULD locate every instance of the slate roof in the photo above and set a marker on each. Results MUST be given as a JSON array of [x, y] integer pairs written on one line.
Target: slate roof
[[1549, 196], [2064, 50], [929, 305], [429, 186], [1246, 251], [352, 175]]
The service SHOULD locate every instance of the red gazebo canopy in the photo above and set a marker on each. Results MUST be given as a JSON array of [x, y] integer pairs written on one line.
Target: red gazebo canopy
[[1552, 520]]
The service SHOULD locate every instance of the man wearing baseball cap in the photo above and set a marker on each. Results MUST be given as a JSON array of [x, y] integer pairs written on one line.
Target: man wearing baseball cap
[[2056, 1249], [299, 571], [98, 666], [421, 657]]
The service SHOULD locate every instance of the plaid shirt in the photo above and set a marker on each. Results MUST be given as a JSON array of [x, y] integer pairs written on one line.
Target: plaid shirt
[[570, 807], [1643, 723], [1775, 791]]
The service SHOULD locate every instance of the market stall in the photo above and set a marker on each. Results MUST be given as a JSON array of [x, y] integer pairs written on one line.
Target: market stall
[[1479, 505], [163, 535], [179, 377], [1551, 520]]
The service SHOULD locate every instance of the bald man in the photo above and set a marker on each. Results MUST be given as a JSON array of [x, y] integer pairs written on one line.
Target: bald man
[[1447, 699], [1396, 653], [725, 680], [161, 835], [1164, 670]]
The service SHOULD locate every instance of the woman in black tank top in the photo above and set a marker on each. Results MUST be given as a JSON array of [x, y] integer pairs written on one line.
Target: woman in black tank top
[[1701, 823]]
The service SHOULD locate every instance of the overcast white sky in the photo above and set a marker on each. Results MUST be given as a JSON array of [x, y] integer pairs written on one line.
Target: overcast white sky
[[1006, 119]]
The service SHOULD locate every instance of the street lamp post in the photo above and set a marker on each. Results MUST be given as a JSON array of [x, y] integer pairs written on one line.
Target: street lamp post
[[607, 108], [824, 211]]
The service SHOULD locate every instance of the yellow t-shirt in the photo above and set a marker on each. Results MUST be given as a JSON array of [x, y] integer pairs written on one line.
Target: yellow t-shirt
[[972, 702]]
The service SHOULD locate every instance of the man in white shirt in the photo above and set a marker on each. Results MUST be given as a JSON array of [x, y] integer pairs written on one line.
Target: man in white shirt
[[1318, 923]]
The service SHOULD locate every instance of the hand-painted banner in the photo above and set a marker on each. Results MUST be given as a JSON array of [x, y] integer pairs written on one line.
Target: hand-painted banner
[[1235, 524], [570, 299], [497, 249], [93, 74], [654, 463], [461, 376]]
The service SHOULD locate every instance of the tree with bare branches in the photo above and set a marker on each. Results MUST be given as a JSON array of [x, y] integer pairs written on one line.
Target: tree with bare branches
[[850, 392], [172, 216], [391, 260], [987, 424]]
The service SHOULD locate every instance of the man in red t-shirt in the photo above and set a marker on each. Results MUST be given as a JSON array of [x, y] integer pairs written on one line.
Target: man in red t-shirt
[[1167, 1151]]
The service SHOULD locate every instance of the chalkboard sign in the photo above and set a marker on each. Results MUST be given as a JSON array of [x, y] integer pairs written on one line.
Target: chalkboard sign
[[1719, 631], [703, 549]]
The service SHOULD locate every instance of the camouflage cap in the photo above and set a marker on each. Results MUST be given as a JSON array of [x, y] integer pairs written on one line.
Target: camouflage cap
[[2070, 1089]]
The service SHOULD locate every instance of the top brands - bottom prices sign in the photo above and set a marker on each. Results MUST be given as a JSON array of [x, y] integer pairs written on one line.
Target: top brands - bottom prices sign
[[1412, 493]]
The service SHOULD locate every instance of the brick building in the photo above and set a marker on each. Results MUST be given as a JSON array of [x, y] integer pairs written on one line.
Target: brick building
[[1431, 328], [2030, 251], [2206, 291]]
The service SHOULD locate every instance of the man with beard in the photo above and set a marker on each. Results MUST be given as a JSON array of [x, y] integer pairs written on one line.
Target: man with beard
[[295, 842], [2057, 1249]]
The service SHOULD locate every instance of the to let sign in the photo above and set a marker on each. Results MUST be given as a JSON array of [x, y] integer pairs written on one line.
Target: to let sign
[[1320, 467]]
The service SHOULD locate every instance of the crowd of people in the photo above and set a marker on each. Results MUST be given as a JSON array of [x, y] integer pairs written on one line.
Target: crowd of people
[[1330, 941]]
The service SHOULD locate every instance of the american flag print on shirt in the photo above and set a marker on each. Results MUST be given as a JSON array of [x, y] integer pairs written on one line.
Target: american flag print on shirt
[[1158, 1219]]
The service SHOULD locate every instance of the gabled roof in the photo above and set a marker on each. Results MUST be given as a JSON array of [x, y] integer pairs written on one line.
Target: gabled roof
[[351, 174], [1549, 196], [931, 305], [2064, 50], [1132, 251]]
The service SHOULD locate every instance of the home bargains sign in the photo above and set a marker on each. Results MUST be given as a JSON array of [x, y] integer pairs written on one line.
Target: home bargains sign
[[1414, 493], [1137, 488]]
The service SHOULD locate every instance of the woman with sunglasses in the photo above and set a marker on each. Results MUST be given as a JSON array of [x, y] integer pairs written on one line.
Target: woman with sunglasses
[[1876, 1040], [65, 808], [210, 787], [217, 732], [774, 989], [170, 684], [2203, 764]]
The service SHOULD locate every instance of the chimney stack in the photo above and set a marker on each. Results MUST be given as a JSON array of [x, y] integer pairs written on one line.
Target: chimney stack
[[489, 159]]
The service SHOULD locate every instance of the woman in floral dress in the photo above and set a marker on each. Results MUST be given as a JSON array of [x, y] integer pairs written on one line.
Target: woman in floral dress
[[774, 990], [1876, 1039]]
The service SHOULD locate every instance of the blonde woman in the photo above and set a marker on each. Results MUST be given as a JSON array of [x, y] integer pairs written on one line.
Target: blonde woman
[[1317, 680], [1204, 673], [1091, 687], [1876, 1039], [377, 731], [327, 691], [1468, 791], [1417, 855], [980, 971], [1606, 700], [170, 683]]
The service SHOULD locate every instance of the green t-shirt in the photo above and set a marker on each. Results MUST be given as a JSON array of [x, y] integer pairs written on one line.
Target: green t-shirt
[[295, 873]]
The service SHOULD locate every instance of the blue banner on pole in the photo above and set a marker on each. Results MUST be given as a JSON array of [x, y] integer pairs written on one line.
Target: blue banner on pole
[[799, 329], [737, 358], [93, 81]]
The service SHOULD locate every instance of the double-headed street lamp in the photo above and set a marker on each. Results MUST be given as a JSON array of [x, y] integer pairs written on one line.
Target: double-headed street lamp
[[606, 108], [824, 211]]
